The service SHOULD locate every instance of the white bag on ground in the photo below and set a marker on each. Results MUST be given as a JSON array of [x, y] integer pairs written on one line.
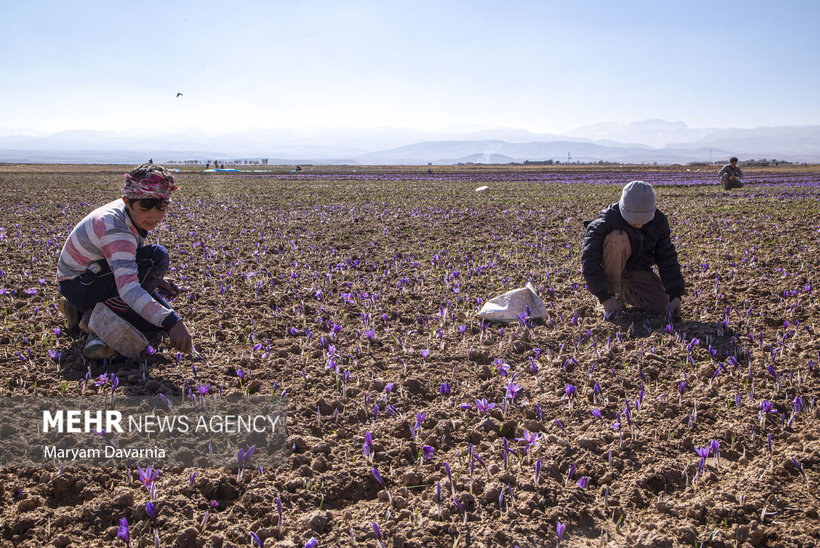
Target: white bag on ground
[[116, 332], [507, 307]]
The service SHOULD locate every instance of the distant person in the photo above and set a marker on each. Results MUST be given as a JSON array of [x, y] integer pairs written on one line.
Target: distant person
[[730, 175], [619, 249], [105, 259]]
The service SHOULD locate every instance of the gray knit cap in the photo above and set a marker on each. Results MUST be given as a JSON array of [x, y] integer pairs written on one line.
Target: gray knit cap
[[637, 203]]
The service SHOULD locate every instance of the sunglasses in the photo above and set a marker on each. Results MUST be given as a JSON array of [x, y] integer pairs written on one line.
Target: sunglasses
[[147, 204]]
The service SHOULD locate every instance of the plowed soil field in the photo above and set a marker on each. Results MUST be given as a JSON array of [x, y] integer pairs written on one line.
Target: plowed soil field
[[352, 294]]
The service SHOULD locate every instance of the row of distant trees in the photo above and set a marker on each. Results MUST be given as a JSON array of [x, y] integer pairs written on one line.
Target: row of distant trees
[[243, 162]]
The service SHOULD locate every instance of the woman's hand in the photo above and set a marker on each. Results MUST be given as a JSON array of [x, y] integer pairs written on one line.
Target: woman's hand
[[170, 287], [180, 338]]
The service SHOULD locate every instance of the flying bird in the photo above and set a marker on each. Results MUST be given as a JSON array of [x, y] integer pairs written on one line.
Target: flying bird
[[179, 94]]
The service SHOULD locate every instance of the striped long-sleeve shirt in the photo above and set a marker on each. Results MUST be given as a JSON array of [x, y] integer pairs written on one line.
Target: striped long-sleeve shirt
[[108, 233]]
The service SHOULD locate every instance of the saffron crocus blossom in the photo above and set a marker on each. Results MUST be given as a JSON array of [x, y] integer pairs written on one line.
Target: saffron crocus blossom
[[279, 513], [530, 439], [255, 538], [450, 477], [427, 452], [502, 368], [583, 482], [445, 390], [571, 472], [512, 390], [312, 543], [483, 406], [799, 466], [378, 532], [425, 353], [151, 511], [381, 482], [123, 533], [147, 477], [420, 420], [560, 529], [367, 449], [703, 453], [714, 446], [460, 508], [596, 413], [537, 475]]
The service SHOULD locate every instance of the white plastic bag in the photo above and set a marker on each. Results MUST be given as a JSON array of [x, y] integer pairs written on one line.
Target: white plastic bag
[[507, 307]]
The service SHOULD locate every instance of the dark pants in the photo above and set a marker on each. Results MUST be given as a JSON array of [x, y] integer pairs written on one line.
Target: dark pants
[[730, 181], [640, 288], [90, 288]]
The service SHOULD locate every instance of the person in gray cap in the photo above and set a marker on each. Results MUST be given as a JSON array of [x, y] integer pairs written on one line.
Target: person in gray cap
[[731, 175], [619, 249]]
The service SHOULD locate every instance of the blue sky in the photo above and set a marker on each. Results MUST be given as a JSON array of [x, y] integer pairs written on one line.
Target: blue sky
[[539, 65]]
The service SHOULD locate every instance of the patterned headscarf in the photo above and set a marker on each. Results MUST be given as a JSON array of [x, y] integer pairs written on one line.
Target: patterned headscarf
[[153, 185]]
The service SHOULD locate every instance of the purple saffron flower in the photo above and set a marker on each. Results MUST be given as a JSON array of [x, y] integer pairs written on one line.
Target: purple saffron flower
[[512, 390], [530, 438], [458, 505], [714, 446], [702, 452], [377, 531], [312, 543], [427, 452], [483, 406], [596, 413], [151, 511], [240, 374], [560, 529], [257, 540], [242, 457], [766, 407], [148, 476], [378, 477], [425, 353], [123, 533], [583, 482], [420, 419], [368, 444], [445, 390]]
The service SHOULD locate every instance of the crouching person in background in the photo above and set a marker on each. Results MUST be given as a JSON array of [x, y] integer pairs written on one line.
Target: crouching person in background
[[619, 249], [105, 260], [731, 175]]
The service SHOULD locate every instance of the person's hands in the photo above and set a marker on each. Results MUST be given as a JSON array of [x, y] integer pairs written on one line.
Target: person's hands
[[170, 287], [674, 307], [612, 307], [181, 338]]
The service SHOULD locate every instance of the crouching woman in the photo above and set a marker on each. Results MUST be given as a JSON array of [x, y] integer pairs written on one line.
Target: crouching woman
[[106, 260]]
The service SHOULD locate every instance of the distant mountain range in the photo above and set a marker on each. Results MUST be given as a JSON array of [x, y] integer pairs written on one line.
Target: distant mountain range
[[649, 141]]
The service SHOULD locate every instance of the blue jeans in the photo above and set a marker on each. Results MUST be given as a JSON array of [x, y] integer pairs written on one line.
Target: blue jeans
[[90, 288]]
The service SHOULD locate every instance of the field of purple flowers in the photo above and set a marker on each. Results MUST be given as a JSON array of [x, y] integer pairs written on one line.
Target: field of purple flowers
[[352, 293]]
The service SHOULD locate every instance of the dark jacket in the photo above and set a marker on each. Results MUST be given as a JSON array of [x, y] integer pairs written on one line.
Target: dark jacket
[[651, 244]]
